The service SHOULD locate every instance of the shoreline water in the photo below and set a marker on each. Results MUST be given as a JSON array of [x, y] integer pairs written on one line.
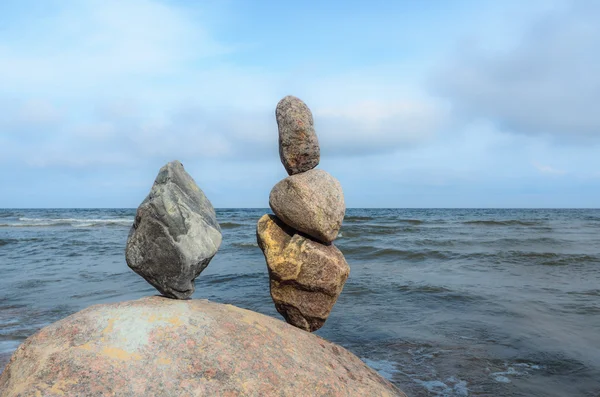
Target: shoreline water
[[441, 302]]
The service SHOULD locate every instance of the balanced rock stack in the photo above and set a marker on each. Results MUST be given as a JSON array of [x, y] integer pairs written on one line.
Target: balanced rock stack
[[175, 233], [307, 272]]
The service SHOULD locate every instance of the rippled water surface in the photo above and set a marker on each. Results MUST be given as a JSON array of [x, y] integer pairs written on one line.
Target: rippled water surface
[[441, 302]]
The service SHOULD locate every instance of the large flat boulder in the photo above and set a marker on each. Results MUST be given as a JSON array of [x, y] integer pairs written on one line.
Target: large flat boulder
[[306, 277], [164, 347], [311, 202], [175, 233], [298, 144]]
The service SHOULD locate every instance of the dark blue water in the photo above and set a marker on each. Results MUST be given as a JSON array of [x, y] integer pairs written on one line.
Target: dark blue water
[[441, 302]]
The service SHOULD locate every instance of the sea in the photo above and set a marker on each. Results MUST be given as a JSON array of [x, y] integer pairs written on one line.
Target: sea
[[442, 302]]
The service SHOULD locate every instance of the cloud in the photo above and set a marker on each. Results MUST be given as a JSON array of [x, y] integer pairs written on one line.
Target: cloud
[[546, 169], [38, 112], [377, 127], [546, 84], [97, 46], [98, 83]]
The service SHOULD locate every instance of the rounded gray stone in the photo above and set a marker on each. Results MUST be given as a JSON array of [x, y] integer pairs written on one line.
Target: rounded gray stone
[[311, 202]]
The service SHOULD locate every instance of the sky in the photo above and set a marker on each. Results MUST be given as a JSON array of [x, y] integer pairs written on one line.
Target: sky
[[433, 103]]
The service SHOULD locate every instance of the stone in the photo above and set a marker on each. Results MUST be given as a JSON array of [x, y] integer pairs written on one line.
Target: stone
[[306, 277], [175, 233], [311, 202], [298, 144], [156, 346]]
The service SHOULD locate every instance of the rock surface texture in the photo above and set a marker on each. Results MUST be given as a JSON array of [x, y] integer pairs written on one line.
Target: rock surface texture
[[298, 143], [311, 202], [306, 277], [164, 347], [175, 233]]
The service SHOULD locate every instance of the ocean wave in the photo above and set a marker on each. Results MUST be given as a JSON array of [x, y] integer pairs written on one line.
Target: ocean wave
[[449, 387], [549, 258], [353, 218], [411, 254], [246, 244], [410, 221], [231, 225], [74, 222], [367, 230], [40, 224], [435, 242], [232, 279], [526, 240], [434, 289], [591, 292], [514, 370], [370, 252], [512, 222], [435, 292], [385, 368]]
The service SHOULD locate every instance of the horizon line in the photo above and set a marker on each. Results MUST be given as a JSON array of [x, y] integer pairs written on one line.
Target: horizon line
[[348, 208]]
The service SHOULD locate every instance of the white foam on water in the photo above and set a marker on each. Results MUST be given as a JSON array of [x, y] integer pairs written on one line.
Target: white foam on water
[[385, 368], [452, 387], [514, 370], [432, 385], [75, 222]]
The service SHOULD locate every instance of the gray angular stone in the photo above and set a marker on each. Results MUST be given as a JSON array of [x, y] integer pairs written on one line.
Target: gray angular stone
[[175, 233], [311, 202], [298, 144]]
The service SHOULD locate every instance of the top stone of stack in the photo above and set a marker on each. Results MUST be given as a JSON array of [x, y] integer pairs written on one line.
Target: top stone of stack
[[298, 143]]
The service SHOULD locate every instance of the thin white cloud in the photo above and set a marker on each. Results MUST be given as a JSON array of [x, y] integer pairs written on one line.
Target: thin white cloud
[[377, 126], [132, 81], [546, 169]]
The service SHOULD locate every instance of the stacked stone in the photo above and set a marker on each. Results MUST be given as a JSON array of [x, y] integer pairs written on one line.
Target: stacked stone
[[307, 272], [175, 233]]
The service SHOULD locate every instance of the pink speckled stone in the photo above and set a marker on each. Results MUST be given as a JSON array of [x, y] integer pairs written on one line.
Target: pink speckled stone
[[162, 347]]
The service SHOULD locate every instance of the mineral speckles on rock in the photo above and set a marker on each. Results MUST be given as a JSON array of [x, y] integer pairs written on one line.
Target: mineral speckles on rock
[[311, 202], [298, 143], [306, 277], [165, 347], [175, 233]]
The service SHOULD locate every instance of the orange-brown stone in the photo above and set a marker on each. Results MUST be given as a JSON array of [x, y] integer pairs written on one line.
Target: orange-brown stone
[[306, 276]]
